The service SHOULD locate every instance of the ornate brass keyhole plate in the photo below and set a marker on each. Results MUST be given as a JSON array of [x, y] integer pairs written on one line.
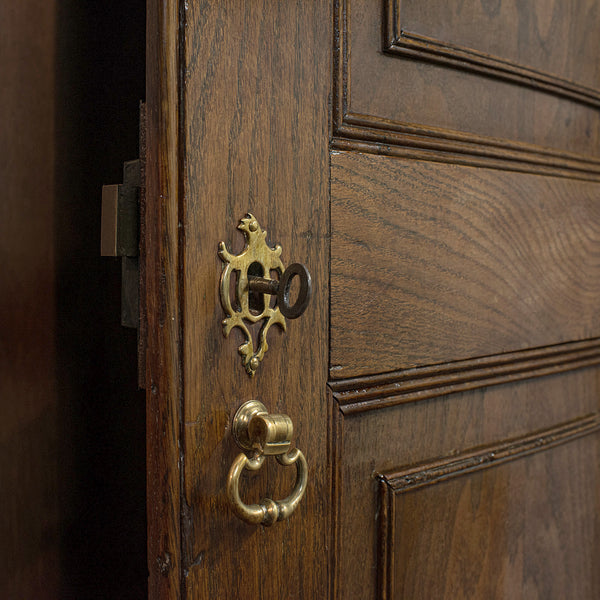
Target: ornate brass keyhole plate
[[252, 304], [256, 252]]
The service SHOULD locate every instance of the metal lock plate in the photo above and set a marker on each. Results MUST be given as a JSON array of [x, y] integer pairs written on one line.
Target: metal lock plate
[[120, 236], [253, 288]]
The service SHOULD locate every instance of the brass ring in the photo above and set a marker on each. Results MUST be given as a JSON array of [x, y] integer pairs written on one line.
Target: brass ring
[[267, 511]]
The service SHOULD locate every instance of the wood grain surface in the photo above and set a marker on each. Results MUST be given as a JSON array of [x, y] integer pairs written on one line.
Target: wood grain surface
[[469, 292], [422, 99], [487, 39], [163, 297], [524, 527], [433, 263], [257, 76], [414, 438]]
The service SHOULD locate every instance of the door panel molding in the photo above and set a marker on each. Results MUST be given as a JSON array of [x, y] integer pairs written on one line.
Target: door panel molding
[[359, 394], [398, 41], [398, 481], [469, 504], [515, 143]]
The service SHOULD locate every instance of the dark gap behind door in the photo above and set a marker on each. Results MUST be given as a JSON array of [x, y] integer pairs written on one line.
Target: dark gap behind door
[[100, 80]]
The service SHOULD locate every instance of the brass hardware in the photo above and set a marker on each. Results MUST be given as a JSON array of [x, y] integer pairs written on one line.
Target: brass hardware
[[253, 289], [255, 430]]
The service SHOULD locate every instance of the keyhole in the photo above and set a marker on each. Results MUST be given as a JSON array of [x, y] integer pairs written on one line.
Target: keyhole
[[256, 300]]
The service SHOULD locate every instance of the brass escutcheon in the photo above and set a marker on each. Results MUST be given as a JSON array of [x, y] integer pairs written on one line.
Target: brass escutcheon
[[252, 304]]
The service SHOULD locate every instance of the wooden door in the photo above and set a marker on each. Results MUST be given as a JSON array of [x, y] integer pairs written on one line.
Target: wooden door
[[435, 166]]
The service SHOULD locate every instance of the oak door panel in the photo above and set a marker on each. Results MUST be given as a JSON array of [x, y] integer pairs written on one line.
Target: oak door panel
[[504, 86], [542, 40], [433, 263], [518, 520], [386, 454]]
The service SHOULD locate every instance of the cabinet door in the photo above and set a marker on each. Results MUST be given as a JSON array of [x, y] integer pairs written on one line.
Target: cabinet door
[[435, 167]]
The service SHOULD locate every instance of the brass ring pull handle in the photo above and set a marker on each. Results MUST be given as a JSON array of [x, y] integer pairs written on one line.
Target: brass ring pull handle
[[266, 435], [267, 511], [282, 289]]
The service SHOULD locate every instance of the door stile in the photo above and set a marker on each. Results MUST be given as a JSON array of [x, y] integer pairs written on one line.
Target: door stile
[[161, 237]]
